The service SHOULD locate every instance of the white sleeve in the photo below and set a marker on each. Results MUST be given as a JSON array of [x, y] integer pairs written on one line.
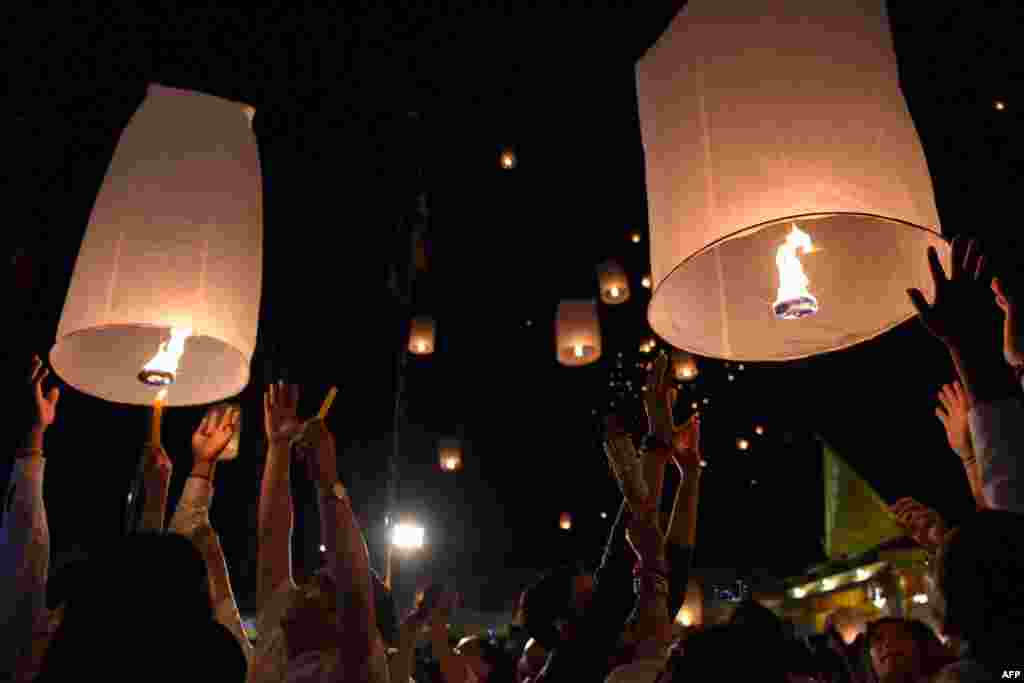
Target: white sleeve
[[997, 432]]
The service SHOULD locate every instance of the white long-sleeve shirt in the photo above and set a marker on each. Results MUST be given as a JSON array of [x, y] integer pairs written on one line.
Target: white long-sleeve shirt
[[192, 519], [24, 561], [997, 432]]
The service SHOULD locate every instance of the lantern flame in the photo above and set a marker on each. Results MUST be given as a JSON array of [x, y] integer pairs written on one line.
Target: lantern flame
[[163, 368], [684, 617], [794, 300], [577, 349], [422, 346], [614, 292], [161, 396]]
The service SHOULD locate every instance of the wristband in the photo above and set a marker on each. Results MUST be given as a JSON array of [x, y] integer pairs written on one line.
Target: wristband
[[28, 453]]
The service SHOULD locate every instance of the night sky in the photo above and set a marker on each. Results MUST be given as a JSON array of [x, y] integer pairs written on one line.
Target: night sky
[[359, 112]]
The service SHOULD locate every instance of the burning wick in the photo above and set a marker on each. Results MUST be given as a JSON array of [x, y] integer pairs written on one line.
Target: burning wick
[[615, 292], [578, 350], [158, 413], [794, 301], [422, 347], [163, 368]]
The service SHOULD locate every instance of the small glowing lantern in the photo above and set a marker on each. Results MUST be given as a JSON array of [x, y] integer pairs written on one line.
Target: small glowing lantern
[[450, 455], [999, 105], [748, 169], [684, 365], [759, 430], [742, 444], [565, 521], [613, 282], [407, 536], [421, 335], [508, 159], [166, 286], [646, 282], [577, 333], [635, 237]]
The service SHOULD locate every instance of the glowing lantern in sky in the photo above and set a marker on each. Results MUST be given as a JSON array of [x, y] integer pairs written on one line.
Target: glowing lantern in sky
[[577, 332], [684, 365], [613, 282], [769, 128], [421, 335], [508, 159], [450, 455], [565, 521], [166, 287]]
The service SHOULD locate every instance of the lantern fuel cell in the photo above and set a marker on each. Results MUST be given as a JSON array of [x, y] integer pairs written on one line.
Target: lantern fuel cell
[[761, 142], [166, 286]]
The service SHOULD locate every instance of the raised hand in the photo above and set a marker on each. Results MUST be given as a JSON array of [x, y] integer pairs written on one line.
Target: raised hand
[[646, 538], [959, 310], [214, 433], [952, 412], [280, 406], [1013, 348], [318, 448], [924, 524], [45, 403], [659, 395]]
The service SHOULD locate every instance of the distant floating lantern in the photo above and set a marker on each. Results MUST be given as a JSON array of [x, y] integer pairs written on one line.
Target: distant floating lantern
[[999, 105], [694, 405], [508, 159], [684, 365], [759, 430], [636, 237], [422, 335], [742, 444], [166, 287], [577, 332], [613, 282], [565, 521], [737, 170], [450, 455], [646, 282]]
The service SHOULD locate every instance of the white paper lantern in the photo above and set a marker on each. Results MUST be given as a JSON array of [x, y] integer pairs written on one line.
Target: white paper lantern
[[172, 258], [422, 335], [761, 116], [613, 282], [577, 332]]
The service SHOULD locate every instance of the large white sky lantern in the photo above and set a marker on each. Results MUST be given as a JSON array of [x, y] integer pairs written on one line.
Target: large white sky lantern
[[771, 126], [166, 288]]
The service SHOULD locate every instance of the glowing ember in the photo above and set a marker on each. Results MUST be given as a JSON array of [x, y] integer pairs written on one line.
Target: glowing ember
[[577, 350], [794, 300], [614, 292], [163, 368]]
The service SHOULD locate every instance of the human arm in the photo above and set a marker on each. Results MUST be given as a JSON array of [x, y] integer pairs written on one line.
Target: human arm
[[275, 516], [156, 483], [348, 560], [682, 526], [453, 667], [25, 534], [192, 519], [959, 318], [952, 412]]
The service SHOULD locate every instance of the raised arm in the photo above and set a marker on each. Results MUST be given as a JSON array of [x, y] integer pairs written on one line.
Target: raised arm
[[275, 515], [25, 534], [156, 482], [348, 561], [959, 317], [952, 411], [192, 517], [682, 525]]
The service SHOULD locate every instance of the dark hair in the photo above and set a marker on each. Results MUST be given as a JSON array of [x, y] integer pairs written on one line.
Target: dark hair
[[738, 648], [754, 615], [547, 601], [980, 573]]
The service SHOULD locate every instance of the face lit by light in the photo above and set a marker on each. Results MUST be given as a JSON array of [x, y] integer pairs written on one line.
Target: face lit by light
[[407, 536], [163, 367]]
